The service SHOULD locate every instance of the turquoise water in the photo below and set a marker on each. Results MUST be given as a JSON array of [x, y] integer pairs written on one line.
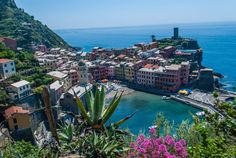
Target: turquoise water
[[147, 106], [218, 41]]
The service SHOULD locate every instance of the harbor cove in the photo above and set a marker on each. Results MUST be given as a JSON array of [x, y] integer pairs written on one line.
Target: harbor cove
[[147, 106]]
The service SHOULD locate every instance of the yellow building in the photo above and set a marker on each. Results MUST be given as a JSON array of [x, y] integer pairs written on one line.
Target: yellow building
[[129, 72], [17, 118], [119, 72]]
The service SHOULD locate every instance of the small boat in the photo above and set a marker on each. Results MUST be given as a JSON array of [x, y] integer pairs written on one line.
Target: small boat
[[165, 98], [152, 127], [201, 113]]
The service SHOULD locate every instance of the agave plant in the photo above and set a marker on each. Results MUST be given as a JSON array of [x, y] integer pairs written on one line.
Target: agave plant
[[98, 114]]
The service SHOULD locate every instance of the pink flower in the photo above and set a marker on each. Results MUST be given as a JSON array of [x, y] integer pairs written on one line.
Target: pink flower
[[160, 140], [178, 147], [140, 138], [183, 142], [152, 131], [162, 148], [152, 147], [169, 140]]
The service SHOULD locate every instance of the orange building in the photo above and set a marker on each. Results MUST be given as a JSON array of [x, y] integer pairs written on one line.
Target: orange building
[[17, 118]]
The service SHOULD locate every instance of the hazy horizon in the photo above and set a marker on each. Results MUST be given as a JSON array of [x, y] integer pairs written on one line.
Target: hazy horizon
[[149, 25], [77, 14]]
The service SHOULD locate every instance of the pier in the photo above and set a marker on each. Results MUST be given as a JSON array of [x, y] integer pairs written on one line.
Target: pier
[[200, 105]]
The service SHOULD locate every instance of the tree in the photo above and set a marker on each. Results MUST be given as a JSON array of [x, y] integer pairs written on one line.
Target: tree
[[153, 38], [3, 96]]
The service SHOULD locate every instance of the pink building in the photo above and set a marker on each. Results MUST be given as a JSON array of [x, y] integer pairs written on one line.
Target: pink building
[[168, 51], [74, 77], [56, 90], [111, 71], [169, 79], [185, 68], [98, 72]]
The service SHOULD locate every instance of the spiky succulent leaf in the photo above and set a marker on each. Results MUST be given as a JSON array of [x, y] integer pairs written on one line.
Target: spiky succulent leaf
[[110, 110], [96, 105], [118, 123], [101, 101], [89, 101], [82, 109], [112, 102]]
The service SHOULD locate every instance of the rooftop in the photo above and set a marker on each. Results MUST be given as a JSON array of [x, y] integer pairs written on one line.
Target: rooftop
[[57, 74], [173, 67], [13, 110], [79, 89], [2, 60], [56, 85], [20, 83]]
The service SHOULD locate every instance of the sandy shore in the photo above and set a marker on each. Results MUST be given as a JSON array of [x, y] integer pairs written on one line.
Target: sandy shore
[[119, 89]]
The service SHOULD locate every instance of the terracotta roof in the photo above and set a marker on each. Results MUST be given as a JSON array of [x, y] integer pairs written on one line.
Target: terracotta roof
[[155, 66], [121, 56], [2, 60], [148, 66], [13, 110]]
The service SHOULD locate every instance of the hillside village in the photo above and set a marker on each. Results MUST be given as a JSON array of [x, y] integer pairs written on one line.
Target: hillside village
[[145, 67]]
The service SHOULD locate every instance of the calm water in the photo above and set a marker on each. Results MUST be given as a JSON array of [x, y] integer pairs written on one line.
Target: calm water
[[147, 106], [218, 41]]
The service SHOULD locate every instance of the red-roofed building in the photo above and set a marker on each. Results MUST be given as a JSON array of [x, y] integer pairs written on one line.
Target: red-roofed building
[[148, 66], [9, 43], [17, 118], [7, 68]]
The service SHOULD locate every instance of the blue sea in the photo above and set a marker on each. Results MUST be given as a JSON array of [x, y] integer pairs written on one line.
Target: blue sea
[[218, 41]]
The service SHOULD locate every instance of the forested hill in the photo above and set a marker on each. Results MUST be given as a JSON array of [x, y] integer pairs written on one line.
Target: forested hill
[[17, 24]]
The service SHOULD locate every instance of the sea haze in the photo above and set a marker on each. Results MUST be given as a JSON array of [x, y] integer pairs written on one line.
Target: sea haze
[[218, 41]]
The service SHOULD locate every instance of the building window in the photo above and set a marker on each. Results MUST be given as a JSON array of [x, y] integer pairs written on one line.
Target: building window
[[5, 65], [12, 64], [6, 71], [14, 120], [12, 69]]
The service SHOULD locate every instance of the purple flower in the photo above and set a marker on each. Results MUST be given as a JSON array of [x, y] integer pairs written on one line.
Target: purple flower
[[152, 131]]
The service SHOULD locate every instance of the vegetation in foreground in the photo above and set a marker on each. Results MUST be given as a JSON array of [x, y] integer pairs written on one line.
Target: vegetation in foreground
[[208, 137]]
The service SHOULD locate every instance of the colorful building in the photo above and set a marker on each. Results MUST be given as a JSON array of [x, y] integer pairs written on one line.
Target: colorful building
[[19, 90], [74, 77], [169, 79], [56, 90], [17, 118], [129, 72], [7, 68]]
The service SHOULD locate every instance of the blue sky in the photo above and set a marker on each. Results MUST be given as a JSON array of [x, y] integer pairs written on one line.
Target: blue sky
[[61, 14]]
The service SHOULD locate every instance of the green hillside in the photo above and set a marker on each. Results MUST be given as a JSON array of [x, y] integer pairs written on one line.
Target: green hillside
[[17, 24]]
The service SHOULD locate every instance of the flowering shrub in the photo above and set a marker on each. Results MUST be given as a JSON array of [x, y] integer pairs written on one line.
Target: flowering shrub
[[154, 147]]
